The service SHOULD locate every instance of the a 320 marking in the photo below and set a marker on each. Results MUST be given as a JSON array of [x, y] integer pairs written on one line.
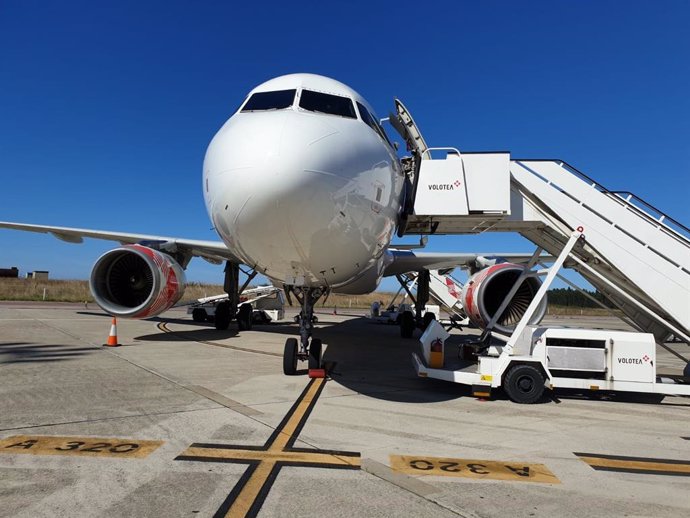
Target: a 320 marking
[[84, 446], [472, 468]]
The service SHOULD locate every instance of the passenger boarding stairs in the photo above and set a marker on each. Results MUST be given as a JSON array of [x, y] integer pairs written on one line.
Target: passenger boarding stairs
[[635, 255]]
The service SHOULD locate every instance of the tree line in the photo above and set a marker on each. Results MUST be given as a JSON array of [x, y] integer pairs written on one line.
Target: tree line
[[575, 298]]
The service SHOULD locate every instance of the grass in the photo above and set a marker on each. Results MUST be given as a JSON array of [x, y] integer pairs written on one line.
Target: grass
[[78, 291]]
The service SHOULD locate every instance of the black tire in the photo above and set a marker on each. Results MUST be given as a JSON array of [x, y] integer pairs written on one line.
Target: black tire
[[244, 317], [222, 318], [524, 384], [259, 317], [315, 354], [407, 324], [290, 357], [428, 318], [199, 315]]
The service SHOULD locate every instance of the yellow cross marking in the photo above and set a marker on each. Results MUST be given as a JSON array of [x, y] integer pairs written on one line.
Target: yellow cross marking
[[265, 462]]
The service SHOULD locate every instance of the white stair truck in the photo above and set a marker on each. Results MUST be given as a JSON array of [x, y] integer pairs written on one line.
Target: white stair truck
[[536, 358]]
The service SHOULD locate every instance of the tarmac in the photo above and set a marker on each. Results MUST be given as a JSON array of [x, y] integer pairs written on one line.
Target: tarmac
[[184, 420]]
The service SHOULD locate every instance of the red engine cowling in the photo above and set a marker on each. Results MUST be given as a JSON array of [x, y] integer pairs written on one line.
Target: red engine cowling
[[134, 281], [484, 292]]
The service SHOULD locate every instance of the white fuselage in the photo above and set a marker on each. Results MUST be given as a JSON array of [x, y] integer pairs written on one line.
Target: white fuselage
[[306, 198]]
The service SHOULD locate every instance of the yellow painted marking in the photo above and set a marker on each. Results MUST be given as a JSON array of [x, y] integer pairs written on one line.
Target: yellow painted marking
[[289, 429], [632, 465], [243, 503], [487, 377], [81, 446], [472, 468], [276, 453], [273, 456]]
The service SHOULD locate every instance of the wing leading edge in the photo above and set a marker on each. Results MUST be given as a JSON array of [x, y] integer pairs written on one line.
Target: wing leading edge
[[212, 251], [404, 261]]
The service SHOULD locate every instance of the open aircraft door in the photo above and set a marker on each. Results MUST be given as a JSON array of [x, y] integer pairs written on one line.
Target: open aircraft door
[[405, 125]]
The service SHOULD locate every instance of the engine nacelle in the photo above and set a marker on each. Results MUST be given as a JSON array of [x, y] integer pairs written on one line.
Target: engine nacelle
[[484, 292], [134, 281]]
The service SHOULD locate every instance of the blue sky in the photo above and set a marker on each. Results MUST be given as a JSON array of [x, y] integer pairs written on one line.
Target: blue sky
[[106, 108]]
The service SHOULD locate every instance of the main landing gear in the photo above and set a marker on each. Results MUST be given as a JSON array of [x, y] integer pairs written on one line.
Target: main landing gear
[[410, 321], [226, 311], [307, 348]]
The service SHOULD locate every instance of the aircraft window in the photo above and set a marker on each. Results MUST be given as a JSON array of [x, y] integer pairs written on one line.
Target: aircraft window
[[366, 117], [263, 101], [372, 123], [327, 103]]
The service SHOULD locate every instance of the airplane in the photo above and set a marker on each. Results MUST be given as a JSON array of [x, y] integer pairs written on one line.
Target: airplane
[[303, 186]]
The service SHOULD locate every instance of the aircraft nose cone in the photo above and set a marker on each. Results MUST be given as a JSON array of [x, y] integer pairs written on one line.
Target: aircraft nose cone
[[288, 199], [270, 178]]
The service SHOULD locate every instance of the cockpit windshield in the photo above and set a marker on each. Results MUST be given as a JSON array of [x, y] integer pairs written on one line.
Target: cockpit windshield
[[264, 101], [327, 103]]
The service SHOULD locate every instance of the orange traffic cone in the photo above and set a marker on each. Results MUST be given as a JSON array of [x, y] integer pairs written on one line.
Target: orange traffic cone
[[112, 337]]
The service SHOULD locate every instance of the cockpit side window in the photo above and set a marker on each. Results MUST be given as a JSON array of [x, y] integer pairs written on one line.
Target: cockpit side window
[[370, 121], [327, 103], [264, 101], [366, 117]]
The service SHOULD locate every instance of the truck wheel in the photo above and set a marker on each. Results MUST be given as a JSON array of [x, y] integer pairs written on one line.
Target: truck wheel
[[407, 324], [222, 320], [199, 315], [290, 357], [244, 317], [315, 354], [524, 384]]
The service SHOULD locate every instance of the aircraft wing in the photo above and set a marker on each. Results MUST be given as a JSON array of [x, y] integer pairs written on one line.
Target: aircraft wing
[[213, 251], [404, 261]]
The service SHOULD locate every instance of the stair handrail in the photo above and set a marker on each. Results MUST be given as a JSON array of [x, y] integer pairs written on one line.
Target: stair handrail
[[663, 220]]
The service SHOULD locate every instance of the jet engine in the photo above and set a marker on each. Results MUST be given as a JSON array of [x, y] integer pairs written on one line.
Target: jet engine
[[135, 281], [485, 290]]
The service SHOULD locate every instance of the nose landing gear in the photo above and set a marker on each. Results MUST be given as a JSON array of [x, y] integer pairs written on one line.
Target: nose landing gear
[[308, 348]]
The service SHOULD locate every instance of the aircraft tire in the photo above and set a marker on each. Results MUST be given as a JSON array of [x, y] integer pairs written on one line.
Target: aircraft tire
[[428, 317], [290, 357], [222, 318], [315, 354], [407, 324], [524, 384], [244, 317]]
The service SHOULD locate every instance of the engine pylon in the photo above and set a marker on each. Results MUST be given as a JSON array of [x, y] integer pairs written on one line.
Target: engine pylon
[[112, 336]]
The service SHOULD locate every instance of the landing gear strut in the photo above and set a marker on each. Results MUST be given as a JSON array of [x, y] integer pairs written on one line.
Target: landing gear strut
[[410, 321], [226, 311], [307, 348]]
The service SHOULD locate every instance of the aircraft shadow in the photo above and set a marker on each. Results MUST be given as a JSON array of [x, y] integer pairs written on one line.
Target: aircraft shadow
[[93, 314], [373, 360], [24, 352]]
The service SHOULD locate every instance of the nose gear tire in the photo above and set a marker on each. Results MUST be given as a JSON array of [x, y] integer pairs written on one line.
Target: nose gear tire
[[290, 357]]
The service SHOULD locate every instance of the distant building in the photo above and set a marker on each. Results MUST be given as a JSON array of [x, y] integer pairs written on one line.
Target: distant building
[[38, 274], [9, 272]]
